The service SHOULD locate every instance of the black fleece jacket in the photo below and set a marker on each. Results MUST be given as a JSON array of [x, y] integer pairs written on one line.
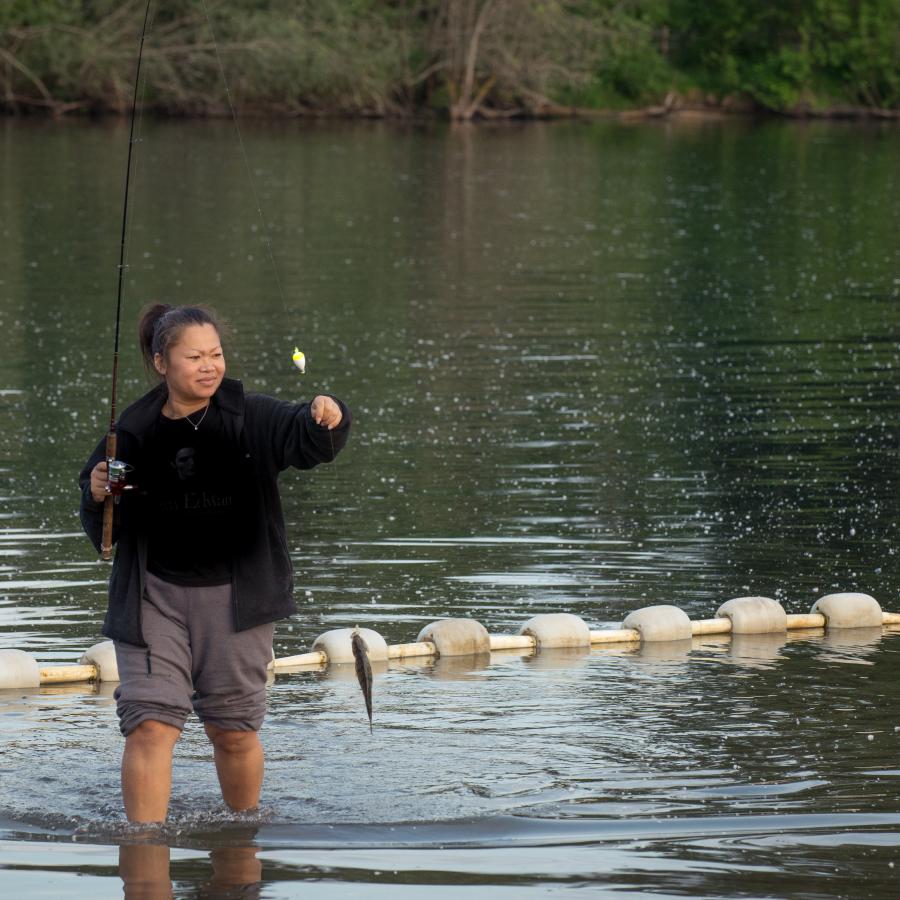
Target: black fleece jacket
[[272, 435]]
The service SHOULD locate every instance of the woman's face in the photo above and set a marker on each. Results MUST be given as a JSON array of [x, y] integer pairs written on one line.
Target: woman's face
[[194, 366]]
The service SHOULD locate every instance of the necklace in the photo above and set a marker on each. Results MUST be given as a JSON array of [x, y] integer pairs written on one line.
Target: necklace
[[199, 422]]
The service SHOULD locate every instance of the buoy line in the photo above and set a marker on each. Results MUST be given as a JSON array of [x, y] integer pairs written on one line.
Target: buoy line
[[461, 637]]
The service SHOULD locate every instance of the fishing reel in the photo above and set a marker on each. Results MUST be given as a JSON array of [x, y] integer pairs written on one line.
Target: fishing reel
[[117, 478]]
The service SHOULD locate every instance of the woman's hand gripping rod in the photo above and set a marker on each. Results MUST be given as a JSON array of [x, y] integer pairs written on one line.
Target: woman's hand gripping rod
[[109, 479]]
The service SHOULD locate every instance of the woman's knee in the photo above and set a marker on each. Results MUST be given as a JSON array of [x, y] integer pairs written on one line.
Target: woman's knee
[[232, 741], [151, 733]]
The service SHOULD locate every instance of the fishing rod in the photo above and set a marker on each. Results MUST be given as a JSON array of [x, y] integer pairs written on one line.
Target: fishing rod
[[116, 470]]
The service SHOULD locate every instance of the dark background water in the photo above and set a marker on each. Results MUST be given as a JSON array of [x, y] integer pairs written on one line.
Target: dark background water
[[592, 367]]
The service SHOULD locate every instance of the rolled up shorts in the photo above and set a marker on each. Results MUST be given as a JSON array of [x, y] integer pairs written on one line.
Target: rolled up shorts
[[194, 660]]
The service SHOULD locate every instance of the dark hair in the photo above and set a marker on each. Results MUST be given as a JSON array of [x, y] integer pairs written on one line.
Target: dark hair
[[161, 326]]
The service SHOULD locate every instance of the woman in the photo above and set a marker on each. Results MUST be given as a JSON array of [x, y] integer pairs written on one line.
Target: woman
[[202, 569]]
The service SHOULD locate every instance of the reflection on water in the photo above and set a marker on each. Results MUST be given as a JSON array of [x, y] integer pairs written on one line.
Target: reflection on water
[[593, 368], [146, 871], [757, 650]]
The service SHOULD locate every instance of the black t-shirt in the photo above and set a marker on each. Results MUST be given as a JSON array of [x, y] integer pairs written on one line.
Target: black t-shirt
[[196, 498]]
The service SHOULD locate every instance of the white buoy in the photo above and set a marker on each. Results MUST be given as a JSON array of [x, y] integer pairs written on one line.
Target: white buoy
[[103, 656], [754, 615], [335, 644], [456, 637], [660, 623], [18, 669], [849, 610], [557, 630]]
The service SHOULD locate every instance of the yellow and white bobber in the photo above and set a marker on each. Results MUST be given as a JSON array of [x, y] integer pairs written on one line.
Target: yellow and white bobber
[[299, 360]]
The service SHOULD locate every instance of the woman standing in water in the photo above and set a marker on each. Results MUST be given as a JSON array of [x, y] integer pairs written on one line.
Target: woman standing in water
[[202, 569]]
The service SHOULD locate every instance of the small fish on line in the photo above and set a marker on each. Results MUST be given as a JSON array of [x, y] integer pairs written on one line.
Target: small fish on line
[[299, 360], [363, 669]]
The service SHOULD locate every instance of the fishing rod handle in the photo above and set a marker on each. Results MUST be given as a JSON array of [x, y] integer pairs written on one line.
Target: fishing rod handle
[[106, 542], [109, 503]]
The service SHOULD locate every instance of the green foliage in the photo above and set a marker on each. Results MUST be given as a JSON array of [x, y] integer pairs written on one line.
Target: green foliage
[[626, 78], [396, 56], [638, 74], [843, 51], [37, 12]]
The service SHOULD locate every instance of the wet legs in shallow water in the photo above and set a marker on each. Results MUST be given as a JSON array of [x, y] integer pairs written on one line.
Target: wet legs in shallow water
[[147, 769], [239, 765]]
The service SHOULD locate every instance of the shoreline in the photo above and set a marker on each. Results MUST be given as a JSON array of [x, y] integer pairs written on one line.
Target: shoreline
[[673, 110]]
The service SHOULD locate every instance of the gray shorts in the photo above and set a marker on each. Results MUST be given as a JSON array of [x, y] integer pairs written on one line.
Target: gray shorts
[[194, 660]]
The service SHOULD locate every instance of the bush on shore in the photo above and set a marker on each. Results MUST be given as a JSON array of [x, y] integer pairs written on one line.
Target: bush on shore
[[459, 58]]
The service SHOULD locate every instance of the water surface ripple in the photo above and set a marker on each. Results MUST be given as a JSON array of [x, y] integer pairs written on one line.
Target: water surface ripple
[[593, 367]]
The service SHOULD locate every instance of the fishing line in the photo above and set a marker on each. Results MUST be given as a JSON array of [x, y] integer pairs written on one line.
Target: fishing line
[[262, 220]]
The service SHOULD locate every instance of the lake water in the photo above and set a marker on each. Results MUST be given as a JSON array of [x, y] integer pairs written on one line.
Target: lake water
[[593, 367]]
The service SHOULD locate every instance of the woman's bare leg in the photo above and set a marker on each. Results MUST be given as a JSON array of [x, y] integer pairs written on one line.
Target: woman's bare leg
[[147, 771], [239, 765]]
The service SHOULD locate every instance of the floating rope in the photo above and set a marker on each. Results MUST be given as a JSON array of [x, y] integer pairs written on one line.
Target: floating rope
[[457, 637]]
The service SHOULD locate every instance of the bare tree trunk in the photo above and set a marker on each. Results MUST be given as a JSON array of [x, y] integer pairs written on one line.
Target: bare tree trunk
[[464, 24], [472, 104]]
